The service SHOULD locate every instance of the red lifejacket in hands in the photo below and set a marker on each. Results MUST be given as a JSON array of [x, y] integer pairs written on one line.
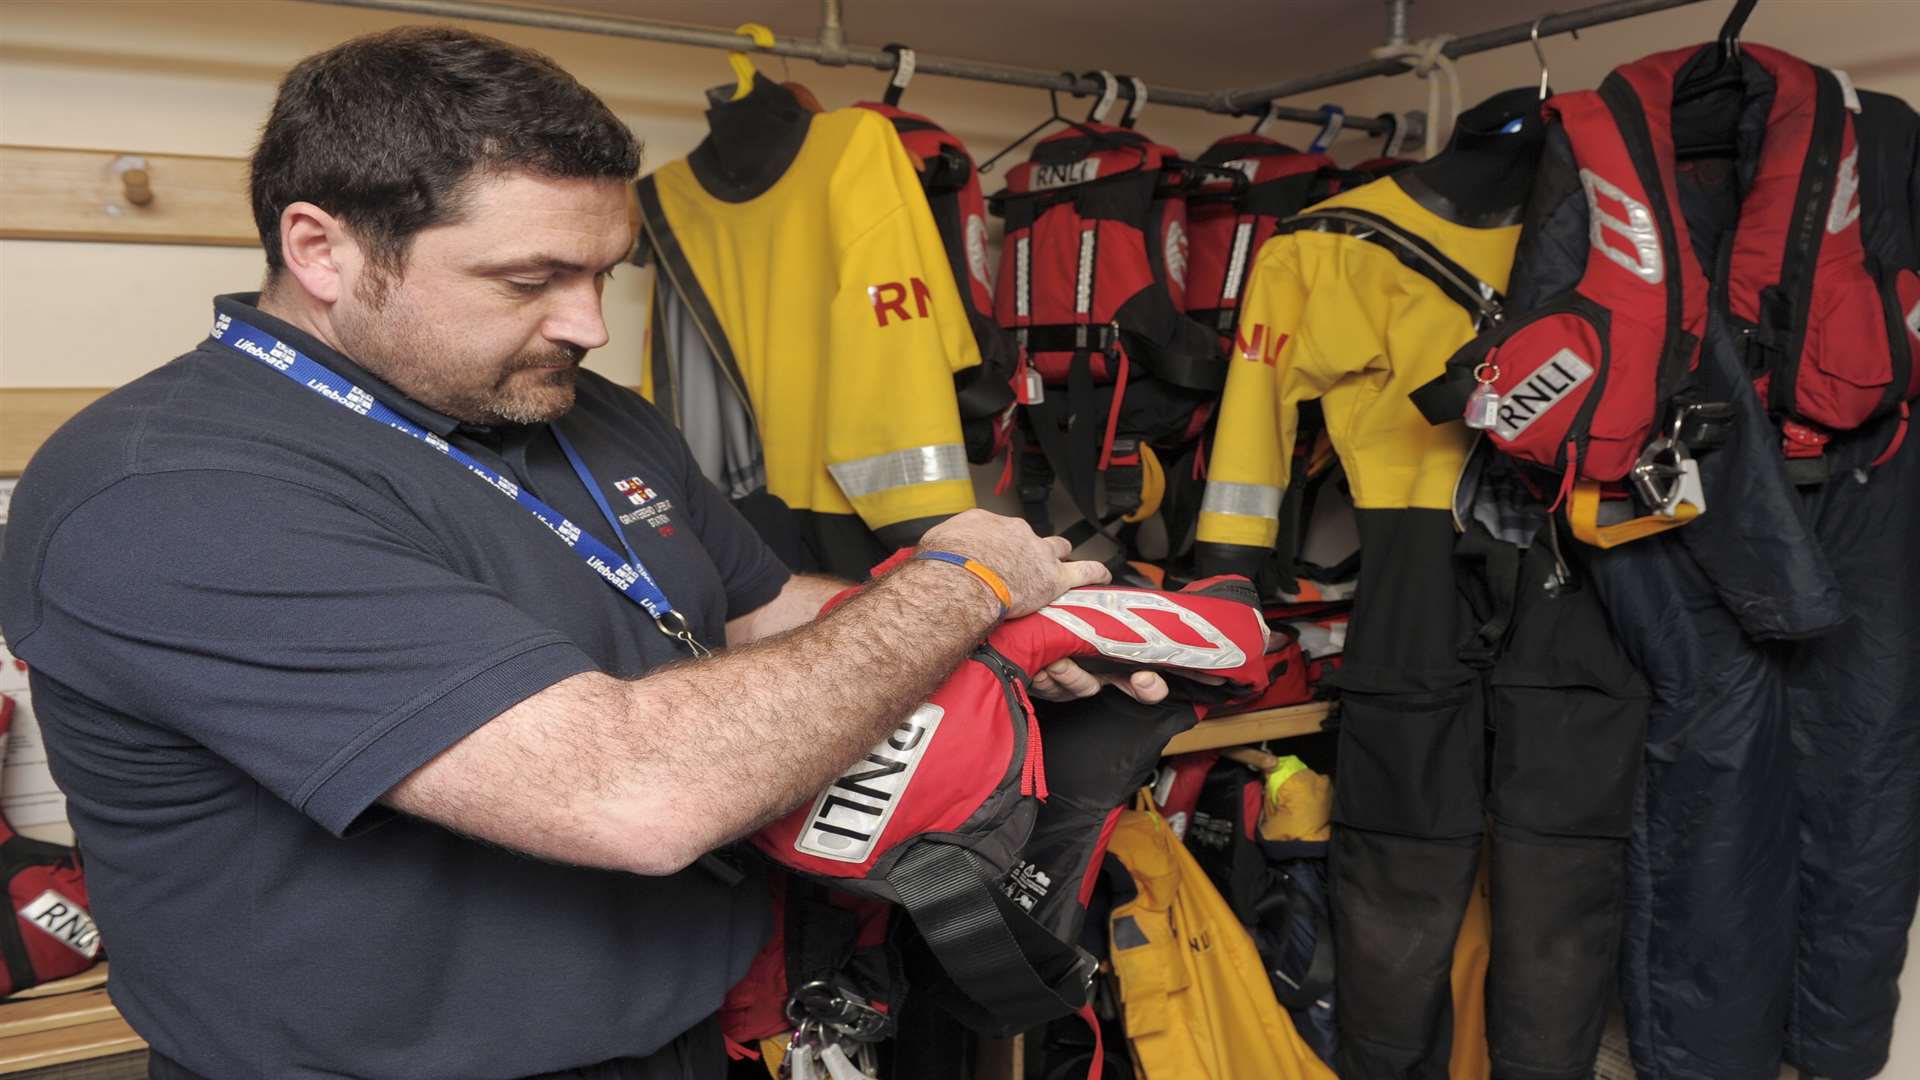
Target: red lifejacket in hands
[[940, 818]]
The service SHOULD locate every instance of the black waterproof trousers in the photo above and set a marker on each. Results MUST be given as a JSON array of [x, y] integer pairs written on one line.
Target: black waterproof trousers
[[1474, 694], [1774, 869]]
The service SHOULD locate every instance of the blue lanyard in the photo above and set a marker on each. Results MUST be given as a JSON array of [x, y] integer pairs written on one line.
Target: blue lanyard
[[628, 575]]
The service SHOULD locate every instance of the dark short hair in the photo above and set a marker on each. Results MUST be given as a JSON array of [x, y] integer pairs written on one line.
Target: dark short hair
[[383, 132]]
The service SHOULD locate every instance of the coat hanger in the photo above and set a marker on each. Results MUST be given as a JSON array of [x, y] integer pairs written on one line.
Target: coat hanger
[[1541, 54], [1053, 117], [903, 65], [743, 70], [1136, 100], [1109, 93], [1730, 30]]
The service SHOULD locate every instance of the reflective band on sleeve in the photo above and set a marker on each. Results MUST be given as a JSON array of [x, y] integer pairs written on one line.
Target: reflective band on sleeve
[[1237, 263], [898, 468], [1246, 500]]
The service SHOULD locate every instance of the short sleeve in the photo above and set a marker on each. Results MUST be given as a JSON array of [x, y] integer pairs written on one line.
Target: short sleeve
[[324, 652]]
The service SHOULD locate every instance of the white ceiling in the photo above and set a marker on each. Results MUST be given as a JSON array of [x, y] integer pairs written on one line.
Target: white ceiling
[[1193, 44]]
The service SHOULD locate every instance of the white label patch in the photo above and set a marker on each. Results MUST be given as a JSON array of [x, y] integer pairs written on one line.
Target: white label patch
[[1542, 390], [65, 922], [1154, 647], [976, 239], [1246, 166], [1913, 320], [1074, 172], [1637, 227], [848, 818]]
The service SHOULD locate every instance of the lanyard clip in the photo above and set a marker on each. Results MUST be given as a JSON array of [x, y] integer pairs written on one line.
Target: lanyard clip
[[674, 625]]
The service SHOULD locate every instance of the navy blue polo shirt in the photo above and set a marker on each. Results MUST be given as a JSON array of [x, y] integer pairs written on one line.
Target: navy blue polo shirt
[[249, 612]]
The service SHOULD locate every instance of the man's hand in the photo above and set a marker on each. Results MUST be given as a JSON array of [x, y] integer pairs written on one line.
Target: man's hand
[[1064, 680], [1032, 566]]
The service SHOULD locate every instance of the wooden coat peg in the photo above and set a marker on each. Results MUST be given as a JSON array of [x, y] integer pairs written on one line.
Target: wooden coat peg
[[134, 182]]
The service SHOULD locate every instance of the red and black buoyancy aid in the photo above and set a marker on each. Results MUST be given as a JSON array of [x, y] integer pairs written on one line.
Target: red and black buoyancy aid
[[1227, 222], [952, 185], [51, 934], [1093, 282], [1592, 377], [957, 819]]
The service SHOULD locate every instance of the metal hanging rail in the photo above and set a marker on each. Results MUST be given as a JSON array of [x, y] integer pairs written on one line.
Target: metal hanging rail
[[832, 50], [1234, 101]]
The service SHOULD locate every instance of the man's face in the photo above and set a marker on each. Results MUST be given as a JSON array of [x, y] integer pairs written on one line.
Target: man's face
[[491, 316]]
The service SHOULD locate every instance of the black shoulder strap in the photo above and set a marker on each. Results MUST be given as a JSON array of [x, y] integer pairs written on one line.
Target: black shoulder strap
[[1011, 972]]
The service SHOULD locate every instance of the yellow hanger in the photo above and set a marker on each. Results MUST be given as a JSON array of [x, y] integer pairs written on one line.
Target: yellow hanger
[[743, 69]]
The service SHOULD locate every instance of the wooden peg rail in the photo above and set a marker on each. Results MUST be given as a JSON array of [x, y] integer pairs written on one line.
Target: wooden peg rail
[[1251, 727], [106, 195]]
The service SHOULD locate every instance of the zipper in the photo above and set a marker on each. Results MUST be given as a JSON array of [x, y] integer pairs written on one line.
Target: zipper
[[1013, 684], [1490, 309], [713, 349]]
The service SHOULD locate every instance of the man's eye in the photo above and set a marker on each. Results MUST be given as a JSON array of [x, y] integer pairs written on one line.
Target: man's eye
[[527, 287]]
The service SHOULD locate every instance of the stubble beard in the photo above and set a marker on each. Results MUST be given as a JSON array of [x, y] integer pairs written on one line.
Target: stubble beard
[[405, 347]]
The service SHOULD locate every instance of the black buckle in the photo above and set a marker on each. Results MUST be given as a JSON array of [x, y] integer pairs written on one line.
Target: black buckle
[[1704, 425]]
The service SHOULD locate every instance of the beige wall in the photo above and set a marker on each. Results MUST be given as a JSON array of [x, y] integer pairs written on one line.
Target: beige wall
[[197, 76]]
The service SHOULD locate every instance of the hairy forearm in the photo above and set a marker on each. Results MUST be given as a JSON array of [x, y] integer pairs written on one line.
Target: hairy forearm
[[649, 774], [766, 727], [797, 603]]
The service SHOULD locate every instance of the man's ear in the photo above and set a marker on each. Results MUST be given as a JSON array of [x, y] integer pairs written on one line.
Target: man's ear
[[318, 251]]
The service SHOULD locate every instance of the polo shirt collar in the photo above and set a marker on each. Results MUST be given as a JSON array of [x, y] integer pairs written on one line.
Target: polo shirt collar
[[245, 307]]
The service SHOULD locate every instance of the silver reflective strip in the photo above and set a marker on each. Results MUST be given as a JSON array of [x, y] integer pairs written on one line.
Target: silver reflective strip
[[1246, 500], [898, 468], [1237, 265], [1022, 277], [1154, 646], [1083, 289]]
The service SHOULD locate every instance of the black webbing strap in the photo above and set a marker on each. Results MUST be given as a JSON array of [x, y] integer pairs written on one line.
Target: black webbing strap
[[1498, 564], [1017, 980], [1443, 399]]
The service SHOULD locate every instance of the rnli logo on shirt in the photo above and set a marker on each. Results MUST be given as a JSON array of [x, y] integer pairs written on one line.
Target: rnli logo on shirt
[[649, 506], [635, 489]]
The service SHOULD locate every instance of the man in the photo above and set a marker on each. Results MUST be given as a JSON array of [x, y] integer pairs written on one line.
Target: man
[[375, 775]]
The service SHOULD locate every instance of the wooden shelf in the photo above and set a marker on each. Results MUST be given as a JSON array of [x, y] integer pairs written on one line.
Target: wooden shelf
[[61, 1022], [56, 194], [1251, 727]]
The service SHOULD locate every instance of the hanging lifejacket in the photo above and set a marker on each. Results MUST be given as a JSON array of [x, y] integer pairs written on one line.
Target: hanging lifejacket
[[1093, 279], [1596, 383], [1227, 223], [939, 815], [952, 184], [51, 934]]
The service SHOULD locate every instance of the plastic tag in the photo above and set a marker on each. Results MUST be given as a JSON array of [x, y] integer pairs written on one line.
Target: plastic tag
[[839, 1065], [802, 1063], [1687, 491], [1483, 407], [1035, 390]]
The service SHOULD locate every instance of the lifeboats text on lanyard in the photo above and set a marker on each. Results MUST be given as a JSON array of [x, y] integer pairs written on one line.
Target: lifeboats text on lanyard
[[628, 575]]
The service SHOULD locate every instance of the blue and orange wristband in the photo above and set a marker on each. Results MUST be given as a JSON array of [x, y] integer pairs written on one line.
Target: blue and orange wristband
[[977, 569]]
